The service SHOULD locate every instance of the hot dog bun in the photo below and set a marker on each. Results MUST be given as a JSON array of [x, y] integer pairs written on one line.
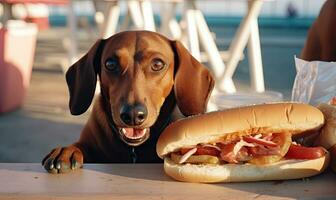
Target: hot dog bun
[[224, 125], [295, 118], [283, 170], [327, 138]]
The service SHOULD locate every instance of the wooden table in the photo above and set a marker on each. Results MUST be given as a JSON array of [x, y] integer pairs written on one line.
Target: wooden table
[[146, 181]]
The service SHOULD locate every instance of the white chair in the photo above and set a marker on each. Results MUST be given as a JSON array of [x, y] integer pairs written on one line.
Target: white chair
[[198, 32], [139, 11]]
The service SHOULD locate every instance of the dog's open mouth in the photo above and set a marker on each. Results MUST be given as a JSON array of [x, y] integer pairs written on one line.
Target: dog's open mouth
[[134, 136]]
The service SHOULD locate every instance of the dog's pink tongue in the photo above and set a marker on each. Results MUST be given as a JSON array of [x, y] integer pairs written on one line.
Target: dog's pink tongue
[[133, 133]]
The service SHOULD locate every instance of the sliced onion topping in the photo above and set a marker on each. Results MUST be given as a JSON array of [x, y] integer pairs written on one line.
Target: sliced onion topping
[[260, 141], [239, 145], [212, 146], [187, 155]]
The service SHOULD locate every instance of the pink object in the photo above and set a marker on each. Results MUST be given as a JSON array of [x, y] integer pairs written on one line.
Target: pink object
[[41, 22], [17, 48]]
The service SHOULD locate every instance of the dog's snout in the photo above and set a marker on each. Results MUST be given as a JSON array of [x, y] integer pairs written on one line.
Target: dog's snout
[[133, 114]]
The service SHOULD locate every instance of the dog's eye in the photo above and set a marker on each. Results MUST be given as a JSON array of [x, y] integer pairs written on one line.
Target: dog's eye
[[157, 64], [112, 65]]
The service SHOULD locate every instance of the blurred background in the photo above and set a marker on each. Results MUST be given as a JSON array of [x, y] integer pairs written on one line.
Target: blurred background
[[35, 118]]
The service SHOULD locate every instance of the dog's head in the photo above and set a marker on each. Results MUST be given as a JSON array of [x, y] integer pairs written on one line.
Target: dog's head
[[138, 70]]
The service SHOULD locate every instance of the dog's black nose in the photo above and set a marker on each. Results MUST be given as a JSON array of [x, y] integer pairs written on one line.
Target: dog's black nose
[[133, 114]]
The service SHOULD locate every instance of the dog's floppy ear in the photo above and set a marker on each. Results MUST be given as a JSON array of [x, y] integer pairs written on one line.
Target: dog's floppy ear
[[193, 82], [81, 79]]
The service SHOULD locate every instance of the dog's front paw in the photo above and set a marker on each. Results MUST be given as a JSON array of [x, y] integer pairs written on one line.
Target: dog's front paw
[[63, 160]]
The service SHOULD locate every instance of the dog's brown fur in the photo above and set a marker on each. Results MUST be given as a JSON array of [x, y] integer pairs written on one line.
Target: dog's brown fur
[[184, 82], [321, 40]]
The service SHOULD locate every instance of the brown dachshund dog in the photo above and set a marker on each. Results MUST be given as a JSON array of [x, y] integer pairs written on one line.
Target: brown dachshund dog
[[321, 40], [143, 76]]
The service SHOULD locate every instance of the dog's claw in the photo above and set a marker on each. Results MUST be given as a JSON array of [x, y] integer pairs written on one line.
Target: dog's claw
[[74, 164], [58, 165], [49, 164]]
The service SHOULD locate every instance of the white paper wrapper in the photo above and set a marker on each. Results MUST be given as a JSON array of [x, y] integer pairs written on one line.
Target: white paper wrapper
[[315, 82]]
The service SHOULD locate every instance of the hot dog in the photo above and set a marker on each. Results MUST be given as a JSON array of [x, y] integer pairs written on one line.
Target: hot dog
[[252, 143]]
